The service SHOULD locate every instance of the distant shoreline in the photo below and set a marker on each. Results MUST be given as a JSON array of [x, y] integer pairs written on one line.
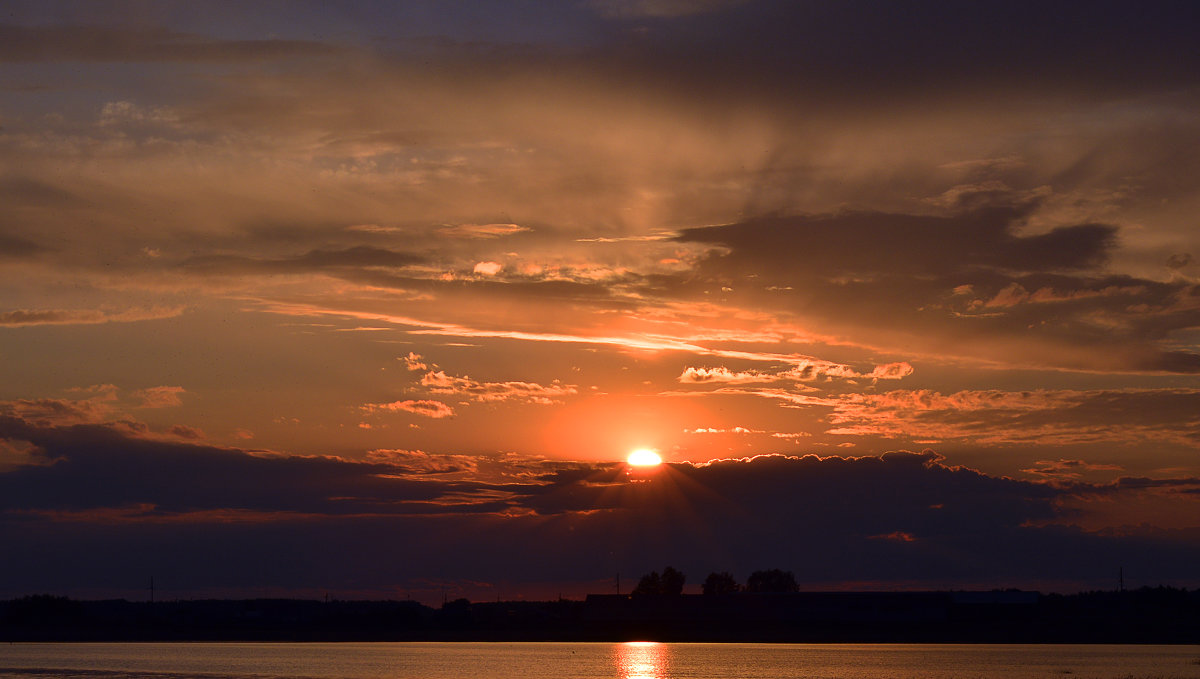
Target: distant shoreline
[[1145, 616]]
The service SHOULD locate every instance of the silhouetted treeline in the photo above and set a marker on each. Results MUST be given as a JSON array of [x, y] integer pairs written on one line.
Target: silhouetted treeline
[[1148, 615], [671, 582]]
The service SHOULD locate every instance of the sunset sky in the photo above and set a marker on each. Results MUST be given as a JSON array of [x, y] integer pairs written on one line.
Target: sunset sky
[[374, 299]]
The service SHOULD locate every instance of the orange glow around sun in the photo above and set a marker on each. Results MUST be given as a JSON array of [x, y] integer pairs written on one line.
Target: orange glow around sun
[[644, 457]]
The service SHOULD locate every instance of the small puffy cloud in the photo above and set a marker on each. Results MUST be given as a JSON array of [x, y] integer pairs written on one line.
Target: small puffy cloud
[[439, 382], [806, 370], [1180, 260], [414, 361], [732, 430], [1011, 295], [810, 370], [187, 433], [159, 397], [488, 268], [722, 375], [434, 409], [891, 371]]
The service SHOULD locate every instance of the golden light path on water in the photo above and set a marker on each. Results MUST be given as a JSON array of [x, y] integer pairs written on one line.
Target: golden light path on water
[[642, 660]]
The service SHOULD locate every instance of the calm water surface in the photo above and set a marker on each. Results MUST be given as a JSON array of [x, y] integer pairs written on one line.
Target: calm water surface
[[621, 661]]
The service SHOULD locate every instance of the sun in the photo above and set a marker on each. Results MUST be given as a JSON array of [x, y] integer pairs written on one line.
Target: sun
[[644, 457]]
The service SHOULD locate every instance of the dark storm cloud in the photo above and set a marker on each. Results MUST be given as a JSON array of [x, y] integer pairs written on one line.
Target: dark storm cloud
[[889, 51], [109, 44], [128, 502], [14, 247], [966, 284], [95, 467], [875, 243], [898, 491]]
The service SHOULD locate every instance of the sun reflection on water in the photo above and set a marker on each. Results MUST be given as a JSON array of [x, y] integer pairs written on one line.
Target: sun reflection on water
[[642, 660]]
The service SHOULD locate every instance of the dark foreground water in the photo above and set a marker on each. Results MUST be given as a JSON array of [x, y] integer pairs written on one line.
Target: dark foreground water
[[568, 660]]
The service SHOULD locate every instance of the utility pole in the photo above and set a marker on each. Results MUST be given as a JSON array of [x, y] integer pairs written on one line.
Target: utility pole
[[151, 589]]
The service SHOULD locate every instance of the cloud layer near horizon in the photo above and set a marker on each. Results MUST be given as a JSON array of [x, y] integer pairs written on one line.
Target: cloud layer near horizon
[[131, 500]]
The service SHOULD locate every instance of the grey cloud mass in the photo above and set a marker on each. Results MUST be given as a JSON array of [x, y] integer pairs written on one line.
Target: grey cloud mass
[[971, 277], [112, 44], [827, 519], [854, 244], [363, 256]]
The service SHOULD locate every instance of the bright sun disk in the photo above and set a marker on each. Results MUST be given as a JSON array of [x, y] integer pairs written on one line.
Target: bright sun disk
[[644, 457]]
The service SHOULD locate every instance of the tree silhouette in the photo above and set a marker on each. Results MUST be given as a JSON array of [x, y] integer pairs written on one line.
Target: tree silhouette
[[649, 584], [720, 583], [773, 580], [670, 582]]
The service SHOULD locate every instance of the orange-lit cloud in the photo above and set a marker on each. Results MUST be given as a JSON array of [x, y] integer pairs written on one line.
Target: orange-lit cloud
[[434, 409], [160, 397], [413, 362], [721, 375], [439, 382], [1070, 469], [1124, 416], [27, 317]]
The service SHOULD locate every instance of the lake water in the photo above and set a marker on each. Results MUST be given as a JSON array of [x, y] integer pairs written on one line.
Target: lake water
[[637, 660]]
